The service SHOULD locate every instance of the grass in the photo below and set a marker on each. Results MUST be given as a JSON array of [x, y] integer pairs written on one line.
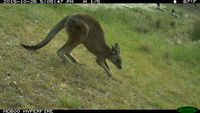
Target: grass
[[158, 72]]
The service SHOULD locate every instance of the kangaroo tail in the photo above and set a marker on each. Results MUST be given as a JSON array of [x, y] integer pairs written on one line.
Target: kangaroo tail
[[59, 26]]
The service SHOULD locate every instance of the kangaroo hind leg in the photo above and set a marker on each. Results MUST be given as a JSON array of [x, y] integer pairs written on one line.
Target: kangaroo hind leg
[[66, 48], [73, 42], [70, 56], [77, 31]]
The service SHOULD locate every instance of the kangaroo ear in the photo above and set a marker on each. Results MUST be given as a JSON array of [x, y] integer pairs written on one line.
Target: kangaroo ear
[[116, 45], [117, 48], [113, 49]]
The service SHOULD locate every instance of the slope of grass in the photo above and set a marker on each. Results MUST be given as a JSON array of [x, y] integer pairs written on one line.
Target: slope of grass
[[160, 62]]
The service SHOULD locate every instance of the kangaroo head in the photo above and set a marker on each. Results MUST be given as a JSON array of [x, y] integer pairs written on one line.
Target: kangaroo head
[[114, 57]]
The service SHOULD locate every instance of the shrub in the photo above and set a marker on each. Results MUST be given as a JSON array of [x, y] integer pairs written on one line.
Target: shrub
[[146, 47], [172, 24], [158, 24], [195, 33], [142, 28]]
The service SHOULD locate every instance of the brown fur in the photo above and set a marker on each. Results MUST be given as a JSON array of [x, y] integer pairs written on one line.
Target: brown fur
[[86, 30]]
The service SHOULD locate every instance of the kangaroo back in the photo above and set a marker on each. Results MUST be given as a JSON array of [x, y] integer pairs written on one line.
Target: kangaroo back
[[59, 26]]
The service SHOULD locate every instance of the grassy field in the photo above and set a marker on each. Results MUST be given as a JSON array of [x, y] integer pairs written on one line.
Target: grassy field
[[161, 62]]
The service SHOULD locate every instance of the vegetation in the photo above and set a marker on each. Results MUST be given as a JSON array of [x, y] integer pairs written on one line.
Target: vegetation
[[161, 64], [195, 35]]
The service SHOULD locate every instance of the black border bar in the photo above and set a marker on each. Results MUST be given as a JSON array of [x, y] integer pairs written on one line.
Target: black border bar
[[90, 110], [86, 110], [98, 1]]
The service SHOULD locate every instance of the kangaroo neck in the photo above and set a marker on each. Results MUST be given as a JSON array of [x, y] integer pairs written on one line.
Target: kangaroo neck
[[104, 52]]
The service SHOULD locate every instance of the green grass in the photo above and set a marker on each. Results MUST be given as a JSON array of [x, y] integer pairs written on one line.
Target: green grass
[[160, 61]]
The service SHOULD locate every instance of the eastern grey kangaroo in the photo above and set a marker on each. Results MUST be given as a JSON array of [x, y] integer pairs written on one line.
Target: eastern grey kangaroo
[[86, 30]]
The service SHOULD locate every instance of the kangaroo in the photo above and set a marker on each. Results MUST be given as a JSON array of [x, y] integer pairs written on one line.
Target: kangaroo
[[86, 30]]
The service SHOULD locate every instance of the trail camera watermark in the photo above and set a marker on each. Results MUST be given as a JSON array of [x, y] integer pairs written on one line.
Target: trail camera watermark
[[189, 1], [95, 1], [91, 1], [59, 1], [187, 109], [174, 1], [70, 1], [49, 1]]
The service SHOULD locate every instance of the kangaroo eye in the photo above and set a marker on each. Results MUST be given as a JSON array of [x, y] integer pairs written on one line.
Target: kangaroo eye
[[118, 60]]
